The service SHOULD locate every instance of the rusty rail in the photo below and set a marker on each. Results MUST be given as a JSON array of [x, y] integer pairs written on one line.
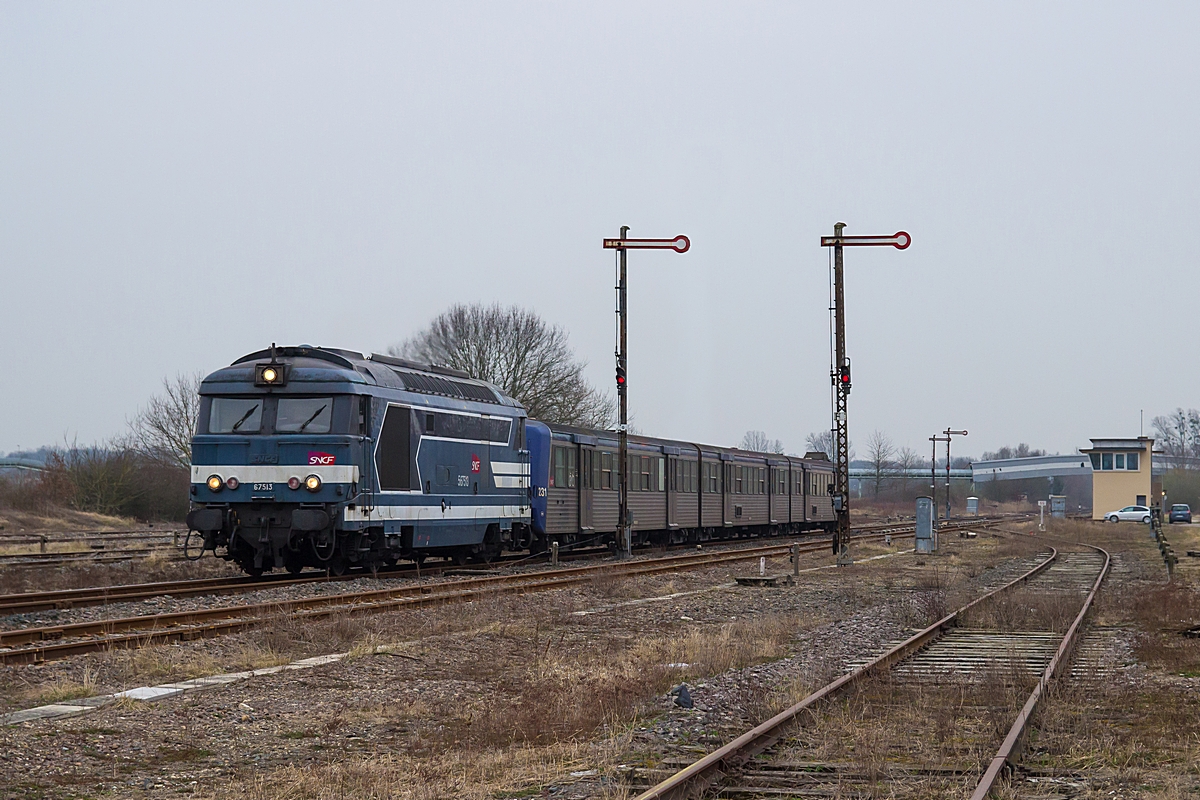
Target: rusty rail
[[694, 778], [46, 642], [1016, 735]]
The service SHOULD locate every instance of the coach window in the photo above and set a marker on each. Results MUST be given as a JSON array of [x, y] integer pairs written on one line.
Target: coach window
[[564, 468], [738, 479], [661, 485], [606, 470], [644, 472]]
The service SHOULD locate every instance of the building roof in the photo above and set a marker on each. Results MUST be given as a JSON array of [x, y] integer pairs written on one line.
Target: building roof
[[1110, 443], [1011, 469]]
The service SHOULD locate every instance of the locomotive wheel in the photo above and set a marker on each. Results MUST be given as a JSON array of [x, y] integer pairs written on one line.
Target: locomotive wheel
[[253, 571], [294, 567], [337, 566]]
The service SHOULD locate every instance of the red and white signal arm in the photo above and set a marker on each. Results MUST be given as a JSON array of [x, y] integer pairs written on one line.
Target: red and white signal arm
[[679, 244], [899, 240]]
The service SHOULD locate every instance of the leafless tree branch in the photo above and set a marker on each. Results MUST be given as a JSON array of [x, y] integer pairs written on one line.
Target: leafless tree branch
[[163, 428], [519, 352]]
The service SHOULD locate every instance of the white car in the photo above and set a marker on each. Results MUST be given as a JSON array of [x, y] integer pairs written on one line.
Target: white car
[[1129, 514]]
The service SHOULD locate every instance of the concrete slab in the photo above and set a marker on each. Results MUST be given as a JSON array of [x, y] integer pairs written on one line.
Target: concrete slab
[[149, 693], [41, 712], [90, 702]]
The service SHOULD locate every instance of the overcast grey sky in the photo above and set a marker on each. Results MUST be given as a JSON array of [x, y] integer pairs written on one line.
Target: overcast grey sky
[[184, 183]]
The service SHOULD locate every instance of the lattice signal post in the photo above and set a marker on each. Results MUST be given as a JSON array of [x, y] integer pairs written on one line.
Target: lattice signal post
[[839, 373], [679, 244]]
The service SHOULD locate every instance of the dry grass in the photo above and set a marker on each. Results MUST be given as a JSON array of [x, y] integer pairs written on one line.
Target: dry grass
[[177, 662], [487, 775], [63, 688]]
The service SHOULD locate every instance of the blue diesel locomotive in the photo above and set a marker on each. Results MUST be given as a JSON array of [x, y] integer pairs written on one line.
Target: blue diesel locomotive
[[317, 457], [312, 456]]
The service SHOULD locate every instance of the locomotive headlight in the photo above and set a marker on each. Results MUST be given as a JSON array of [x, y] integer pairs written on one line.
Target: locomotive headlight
[[215, 483], [293, 483], [270, 374], [232, 483], [312, 483]]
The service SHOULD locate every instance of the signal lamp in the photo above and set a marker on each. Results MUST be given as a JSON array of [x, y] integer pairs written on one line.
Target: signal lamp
[[232, 483], [620, 376], [293, 483], [215, 483], [270, 375], [312, 483]]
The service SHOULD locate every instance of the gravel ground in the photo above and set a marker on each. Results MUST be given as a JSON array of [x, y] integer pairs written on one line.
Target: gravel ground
[[464, 681]]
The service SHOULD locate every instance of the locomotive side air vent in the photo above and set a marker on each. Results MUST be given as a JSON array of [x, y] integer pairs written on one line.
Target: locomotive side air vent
[[433, 384]]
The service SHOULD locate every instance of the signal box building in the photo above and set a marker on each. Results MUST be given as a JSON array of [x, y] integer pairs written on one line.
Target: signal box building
[[1120, 474]]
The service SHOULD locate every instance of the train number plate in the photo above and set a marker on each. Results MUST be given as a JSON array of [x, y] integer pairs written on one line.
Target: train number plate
[[262, 491]]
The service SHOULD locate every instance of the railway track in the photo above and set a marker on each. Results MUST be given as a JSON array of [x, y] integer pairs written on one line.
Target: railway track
[[86, 547], [30, 602], [25, 645], [941, 714]]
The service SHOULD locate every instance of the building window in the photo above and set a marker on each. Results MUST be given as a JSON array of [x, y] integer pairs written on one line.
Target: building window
[[1095, 460], [1106, 461], [1120, 461], [1131, 462]]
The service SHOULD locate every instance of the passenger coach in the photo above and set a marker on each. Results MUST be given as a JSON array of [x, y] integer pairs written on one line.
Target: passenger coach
[[678, 491]]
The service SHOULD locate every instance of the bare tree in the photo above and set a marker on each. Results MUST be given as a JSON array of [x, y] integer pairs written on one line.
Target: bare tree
[[1178, 434], [879, 453], [906, 459], [519, 352], [822, 442], [163, 428], [759, 442], [1022, 450]]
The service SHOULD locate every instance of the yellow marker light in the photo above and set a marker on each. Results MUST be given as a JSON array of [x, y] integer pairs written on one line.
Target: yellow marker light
[[270, 375], [215, 483], [312, 483]]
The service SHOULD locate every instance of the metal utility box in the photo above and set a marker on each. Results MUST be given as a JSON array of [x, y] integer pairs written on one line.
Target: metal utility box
[[973, 506], [924, 532], [1058, 506]]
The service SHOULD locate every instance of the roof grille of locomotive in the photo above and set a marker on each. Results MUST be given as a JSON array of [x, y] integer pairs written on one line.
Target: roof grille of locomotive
[[432, 384]]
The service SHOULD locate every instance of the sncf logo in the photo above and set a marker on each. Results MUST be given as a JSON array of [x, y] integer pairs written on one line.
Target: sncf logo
[[317, 458], [474, 463]]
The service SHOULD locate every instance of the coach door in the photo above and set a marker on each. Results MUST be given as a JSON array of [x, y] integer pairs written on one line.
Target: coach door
[[587, 487], [672, 492]]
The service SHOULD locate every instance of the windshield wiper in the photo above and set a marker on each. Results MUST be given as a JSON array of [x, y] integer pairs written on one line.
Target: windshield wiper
[[310, 419], [245, 417]]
